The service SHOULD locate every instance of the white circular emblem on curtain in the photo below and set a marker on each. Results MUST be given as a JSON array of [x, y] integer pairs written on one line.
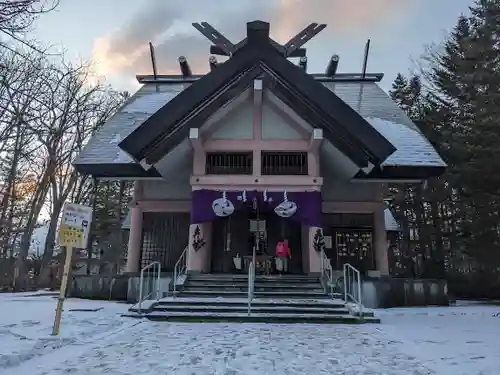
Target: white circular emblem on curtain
[[222, 207], [286, 209]]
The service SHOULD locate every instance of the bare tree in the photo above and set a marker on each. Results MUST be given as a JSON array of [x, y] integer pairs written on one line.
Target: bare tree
[[17, 18], [77, 108], [19, 88]]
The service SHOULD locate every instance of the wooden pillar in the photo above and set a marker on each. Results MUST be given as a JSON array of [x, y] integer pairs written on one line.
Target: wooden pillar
[[199, 260], [380, 242], [135, 236], [314, 256]]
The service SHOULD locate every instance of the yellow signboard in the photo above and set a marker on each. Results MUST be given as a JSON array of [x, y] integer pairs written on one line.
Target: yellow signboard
[[73, 233], [75, 225]]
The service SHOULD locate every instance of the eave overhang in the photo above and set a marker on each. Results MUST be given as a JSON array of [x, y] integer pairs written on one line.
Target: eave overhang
[[402, 172], [114, 170]]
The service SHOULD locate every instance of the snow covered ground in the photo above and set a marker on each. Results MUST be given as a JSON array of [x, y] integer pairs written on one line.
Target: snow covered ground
[[461, 340]]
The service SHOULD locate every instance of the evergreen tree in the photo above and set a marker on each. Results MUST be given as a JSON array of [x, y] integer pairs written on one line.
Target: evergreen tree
[[465, 79]]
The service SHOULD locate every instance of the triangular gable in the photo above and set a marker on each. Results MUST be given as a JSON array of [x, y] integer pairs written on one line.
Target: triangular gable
[[350, 133]]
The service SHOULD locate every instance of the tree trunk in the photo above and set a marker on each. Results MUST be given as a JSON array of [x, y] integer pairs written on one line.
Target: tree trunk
[[20, 273], [44, 279]]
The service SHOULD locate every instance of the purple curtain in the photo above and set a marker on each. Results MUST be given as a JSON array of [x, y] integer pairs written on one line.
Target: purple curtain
[[304, 207]]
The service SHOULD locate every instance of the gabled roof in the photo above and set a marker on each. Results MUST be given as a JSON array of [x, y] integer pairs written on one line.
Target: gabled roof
[[159, 101], [258, 57], [102, 157]]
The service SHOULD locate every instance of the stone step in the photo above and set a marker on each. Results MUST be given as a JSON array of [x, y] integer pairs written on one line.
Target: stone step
[[258, 318], [277, 309], [262, 288], [282, 278], [207, 301], [257, 294], [259, 283]]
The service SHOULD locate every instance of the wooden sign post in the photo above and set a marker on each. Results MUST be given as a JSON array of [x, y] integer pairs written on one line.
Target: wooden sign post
[[73, 233]]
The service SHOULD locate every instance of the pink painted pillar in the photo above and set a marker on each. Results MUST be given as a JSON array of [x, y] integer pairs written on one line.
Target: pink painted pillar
[[380, 242], [314, 256], [135, 234], [199, 261], [134, 240]]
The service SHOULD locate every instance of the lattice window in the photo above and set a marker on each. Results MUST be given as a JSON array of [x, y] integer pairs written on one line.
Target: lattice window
[[164, 237], [240, 163], [284, 163]]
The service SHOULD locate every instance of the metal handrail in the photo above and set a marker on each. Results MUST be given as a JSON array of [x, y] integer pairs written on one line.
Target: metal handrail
[[156, 266], [327, 273], [180, 268], [352, 286], [251, 286]]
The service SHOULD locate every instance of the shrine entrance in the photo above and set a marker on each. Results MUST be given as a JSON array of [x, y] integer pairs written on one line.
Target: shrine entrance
[[236, 235]]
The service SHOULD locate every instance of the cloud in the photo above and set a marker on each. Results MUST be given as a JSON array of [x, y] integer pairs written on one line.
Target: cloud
[[125, 51]]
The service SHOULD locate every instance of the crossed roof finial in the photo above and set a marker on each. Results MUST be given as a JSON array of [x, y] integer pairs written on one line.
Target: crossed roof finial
[[223, 46]]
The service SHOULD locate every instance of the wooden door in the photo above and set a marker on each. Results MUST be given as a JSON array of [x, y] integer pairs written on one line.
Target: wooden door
[[229, 237]]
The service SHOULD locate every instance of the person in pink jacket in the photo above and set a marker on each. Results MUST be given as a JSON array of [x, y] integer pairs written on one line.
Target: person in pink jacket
[[283, 254]]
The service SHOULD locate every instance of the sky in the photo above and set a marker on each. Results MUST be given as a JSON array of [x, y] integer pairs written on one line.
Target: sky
[[115, 33]]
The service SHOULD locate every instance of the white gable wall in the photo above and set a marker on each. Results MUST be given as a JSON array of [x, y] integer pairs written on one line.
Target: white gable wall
[[274, 127], [236, 125], [336, 169]]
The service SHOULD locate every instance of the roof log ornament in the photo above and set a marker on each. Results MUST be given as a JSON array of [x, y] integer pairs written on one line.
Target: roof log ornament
[[212, 61], [332, 66], [303, 63], [184, 66]]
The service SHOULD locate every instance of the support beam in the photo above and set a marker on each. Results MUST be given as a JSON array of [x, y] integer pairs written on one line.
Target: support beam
[[258, 89], [257, 108], [316, 139], [199, 157], [195, 139]]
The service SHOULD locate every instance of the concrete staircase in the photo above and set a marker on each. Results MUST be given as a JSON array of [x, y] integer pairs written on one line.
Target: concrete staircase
[[277, 299], [236, 286]]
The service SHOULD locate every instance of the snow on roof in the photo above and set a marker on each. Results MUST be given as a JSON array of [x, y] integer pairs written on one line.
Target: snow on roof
[[103, 148], [413, 149], [367, 98]]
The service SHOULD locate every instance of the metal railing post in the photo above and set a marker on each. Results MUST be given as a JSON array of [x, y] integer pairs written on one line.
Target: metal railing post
[[158, 282], [182, 263], [351, 276], [251, 286], [346, 282], [156, 267], [141, 286]]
